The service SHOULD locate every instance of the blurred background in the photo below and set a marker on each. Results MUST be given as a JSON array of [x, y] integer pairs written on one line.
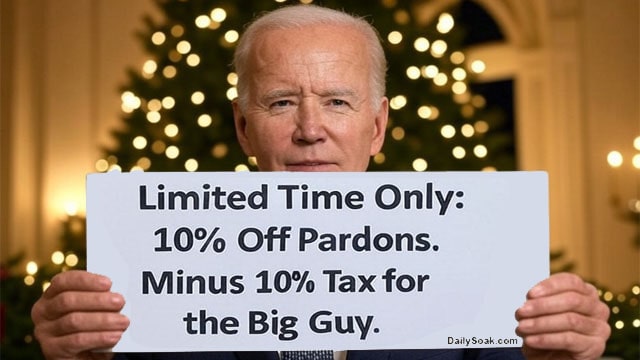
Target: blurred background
[[91, 86]]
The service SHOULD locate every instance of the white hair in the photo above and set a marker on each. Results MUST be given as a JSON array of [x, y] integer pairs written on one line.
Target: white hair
[[299, 17]]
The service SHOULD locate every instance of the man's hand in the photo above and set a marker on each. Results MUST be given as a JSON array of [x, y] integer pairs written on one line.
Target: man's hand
[[563, 318], [76, 314]]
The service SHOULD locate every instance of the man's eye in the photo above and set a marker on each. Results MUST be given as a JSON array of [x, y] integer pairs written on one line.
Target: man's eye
[[281, 103], [338, 102]]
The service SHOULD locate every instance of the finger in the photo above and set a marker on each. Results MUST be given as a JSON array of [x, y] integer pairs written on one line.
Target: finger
[[559, 283], [580, 346], [563, 322], [76, 280], [564, 302], [68, 347], [85, 322], [68, 302]]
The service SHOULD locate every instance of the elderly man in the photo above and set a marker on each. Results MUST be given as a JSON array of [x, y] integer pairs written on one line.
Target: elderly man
[[311, 98]]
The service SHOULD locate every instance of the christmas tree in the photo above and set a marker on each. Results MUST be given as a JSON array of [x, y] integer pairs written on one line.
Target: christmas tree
[[178, 116]]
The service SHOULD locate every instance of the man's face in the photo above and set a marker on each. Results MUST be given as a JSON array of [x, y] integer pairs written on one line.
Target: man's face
[[309, 102]]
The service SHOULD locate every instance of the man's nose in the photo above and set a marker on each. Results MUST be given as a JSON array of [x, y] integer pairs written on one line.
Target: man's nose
[[309, 124]]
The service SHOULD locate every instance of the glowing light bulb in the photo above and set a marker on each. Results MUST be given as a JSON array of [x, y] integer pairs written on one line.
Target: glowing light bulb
[[197, 97], [231, 36], [203, 21], [204, 120], [218, 15], [158, 38], [421, 44], [395, 37], [183, 47], [31, 268], [445, 23], [419, 164], [448, 131], [478, 66], [614, 158], [191, 165]]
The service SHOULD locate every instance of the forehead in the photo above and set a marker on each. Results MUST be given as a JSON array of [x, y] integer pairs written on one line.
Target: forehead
[[319, 48]]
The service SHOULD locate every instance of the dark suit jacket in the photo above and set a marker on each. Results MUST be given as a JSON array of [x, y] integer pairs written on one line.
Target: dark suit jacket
[[455, 354]]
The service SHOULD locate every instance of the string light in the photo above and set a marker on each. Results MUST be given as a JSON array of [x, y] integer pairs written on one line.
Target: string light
[[441, 79], [241, 167], [467, 130], [158, 147], [614, 158], [204, 120], [478, 66], [379, 158], [231, 36], [144, 163], [71, 260], [467, 111], [139, 142], [169, 71], [424, 112], [413, 72], [480, 151], [154, 105], [438, 48], [153, 117], [158, 38], [394, 37], [175, 56], [31, 268], [397, 133], [130, 101], [448, 131], [183, 47], [102, 165], [149, 68], [457, 57], [171, 130], [172, 152], [219, 150], [481, 126], [419, 164], [421, 44], [191, 165], [193, 60], [401, 17], [430, 71], [478, 101], [177, 31], [197, 97], [218, 15], [459, 88], [168, 102], [232, 79], [203, 21], [398, 102], [445, 23], [232, 93], [459, 74], [459, 152]]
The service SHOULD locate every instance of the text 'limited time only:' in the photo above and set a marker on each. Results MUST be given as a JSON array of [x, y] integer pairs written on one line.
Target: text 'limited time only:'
[[297, 197]]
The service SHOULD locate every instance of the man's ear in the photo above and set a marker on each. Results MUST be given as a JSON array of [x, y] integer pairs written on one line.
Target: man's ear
[[241, 128], [380, 127]]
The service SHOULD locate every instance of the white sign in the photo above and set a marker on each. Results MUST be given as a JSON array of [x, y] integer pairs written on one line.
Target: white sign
[[286, 261]]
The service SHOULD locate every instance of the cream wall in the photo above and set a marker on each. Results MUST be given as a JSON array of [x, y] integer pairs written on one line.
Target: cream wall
[[575, 65]]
